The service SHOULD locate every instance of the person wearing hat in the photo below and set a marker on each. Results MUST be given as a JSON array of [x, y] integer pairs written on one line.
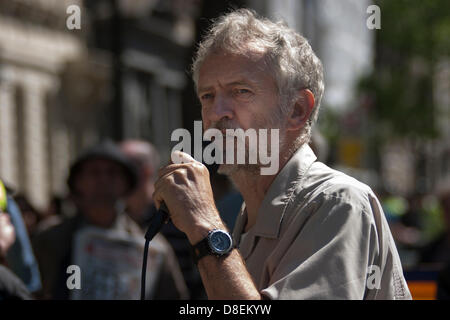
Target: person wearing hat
[[99, 181]]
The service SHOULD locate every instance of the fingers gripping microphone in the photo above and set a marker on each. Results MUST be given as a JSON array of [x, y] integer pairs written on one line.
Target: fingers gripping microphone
[[159, 219]]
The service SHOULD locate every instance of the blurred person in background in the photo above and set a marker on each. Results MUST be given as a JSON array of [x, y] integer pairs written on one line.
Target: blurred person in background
[[438, 251], [20, 257], [53, 215], [395, 208], [7, 235], [11, 287], [414, 215], [31, 216], [146, 159], [99, 180], [141, 208]]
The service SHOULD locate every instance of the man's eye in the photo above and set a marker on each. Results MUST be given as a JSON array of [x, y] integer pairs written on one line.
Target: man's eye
[[206, 96], [243, 92]]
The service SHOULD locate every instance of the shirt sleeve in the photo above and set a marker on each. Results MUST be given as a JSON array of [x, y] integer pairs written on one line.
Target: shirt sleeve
[[326, 250]]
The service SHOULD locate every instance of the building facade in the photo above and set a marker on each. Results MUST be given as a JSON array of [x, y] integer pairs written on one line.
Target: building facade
[[119, 75]]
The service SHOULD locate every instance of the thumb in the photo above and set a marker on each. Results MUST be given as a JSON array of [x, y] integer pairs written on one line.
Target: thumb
[[178, 157]]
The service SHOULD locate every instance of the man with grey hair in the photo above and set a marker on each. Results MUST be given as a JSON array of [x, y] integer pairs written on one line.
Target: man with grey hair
[[306, 232]]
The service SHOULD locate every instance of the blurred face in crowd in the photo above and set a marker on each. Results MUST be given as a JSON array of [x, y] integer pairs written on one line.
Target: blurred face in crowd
[[139, 200], [237, 91], [138, 153], [99, 184]]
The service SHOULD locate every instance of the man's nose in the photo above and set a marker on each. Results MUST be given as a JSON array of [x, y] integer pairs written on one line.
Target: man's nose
[[222, 107]]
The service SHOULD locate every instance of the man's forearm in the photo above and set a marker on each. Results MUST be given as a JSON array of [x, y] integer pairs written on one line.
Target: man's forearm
[[227, 278]]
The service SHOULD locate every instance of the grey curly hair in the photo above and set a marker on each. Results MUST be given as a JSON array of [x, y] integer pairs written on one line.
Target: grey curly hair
[[288, 55]]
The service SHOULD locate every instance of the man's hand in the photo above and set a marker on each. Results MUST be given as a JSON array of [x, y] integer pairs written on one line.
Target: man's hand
[[186, 190], [7, 234]]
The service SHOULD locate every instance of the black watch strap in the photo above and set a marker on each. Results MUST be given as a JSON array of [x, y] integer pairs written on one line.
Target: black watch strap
[[207, 245], [200, 250]]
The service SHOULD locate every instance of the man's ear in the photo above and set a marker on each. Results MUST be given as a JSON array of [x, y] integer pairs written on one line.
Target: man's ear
[[301, 110]]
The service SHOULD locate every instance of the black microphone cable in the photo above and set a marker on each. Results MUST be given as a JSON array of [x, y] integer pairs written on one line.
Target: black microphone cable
[[159, 219]]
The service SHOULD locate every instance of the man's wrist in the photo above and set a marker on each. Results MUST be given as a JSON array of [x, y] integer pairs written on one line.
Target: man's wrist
[[198, 234], [201, 232]]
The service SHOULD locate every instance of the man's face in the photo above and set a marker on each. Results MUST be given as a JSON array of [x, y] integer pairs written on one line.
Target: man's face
[[238, 92], [100, 182]]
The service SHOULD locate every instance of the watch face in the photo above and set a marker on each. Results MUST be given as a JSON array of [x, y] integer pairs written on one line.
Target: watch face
[[220, 241]]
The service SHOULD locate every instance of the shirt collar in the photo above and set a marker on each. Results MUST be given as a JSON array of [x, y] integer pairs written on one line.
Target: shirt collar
[[271, 211]]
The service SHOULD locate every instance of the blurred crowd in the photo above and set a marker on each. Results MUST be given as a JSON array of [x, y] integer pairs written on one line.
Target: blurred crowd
[[99, 227], [420, 225]]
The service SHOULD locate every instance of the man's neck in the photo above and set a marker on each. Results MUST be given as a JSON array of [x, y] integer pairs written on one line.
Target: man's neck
[[254, 187]]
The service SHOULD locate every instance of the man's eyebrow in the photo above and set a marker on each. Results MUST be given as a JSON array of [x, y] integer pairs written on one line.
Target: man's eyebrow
[[241, 83], [246, 82], [203, 89]]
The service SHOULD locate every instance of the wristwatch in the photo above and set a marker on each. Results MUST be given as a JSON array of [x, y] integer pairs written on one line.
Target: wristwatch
[[217, 242]]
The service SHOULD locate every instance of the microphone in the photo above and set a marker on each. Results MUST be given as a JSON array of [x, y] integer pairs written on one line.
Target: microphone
[[158, 220]]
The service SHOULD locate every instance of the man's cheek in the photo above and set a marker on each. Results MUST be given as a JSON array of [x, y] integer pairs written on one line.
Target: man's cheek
[[206, 123]]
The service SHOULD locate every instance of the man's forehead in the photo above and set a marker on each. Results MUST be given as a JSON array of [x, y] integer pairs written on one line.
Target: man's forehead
[[231, 69]]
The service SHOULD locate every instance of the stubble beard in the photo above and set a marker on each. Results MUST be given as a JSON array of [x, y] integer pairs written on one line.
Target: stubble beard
[[247, 169]]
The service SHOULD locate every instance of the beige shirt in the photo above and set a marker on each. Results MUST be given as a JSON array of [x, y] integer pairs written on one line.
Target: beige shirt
[[320, 234]]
